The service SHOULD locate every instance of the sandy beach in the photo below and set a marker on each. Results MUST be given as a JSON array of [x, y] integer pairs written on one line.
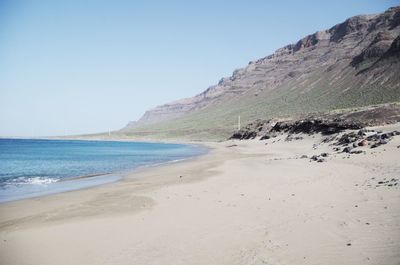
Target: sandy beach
[[246, 202]]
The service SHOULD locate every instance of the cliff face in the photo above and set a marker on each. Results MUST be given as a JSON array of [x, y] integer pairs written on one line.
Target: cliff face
[[358, 58]]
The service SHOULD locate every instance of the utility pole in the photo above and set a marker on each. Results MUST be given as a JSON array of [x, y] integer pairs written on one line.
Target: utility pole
[[239, 123]]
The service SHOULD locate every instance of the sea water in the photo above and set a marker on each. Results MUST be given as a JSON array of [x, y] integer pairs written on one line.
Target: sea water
[[31, 168]]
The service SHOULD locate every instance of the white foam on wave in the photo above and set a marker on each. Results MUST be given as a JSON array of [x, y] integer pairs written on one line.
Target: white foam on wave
[[32, 180]]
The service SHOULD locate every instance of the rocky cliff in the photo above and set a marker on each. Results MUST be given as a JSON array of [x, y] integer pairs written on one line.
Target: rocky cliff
[[354, 63]]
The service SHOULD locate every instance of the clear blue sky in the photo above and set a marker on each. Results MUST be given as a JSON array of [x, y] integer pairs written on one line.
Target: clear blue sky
[[79, 66]]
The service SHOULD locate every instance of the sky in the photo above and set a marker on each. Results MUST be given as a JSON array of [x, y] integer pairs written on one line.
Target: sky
[[75, 67]]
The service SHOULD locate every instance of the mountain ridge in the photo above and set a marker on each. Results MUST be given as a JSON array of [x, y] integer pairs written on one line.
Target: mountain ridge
[[358, 56]]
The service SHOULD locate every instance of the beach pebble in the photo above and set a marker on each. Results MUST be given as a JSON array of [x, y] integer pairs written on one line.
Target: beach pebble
[[363, 143]]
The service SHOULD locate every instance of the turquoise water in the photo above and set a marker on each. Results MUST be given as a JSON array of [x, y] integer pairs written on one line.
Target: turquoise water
[[30, 168]]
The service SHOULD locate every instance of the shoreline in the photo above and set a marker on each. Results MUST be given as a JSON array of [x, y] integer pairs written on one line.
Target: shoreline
[[244, 202], [93, 180], [144, 175], [111, 177]]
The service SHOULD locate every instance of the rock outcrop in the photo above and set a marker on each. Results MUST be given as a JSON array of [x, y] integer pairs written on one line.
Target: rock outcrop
[[323, 123]]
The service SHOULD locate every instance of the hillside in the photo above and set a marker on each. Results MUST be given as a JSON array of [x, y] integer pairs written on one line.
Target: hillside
[[353, 64]]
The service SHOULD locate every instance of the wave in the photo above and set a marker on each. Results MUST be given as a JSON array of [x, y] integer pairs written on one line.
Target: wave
[[29, 181]]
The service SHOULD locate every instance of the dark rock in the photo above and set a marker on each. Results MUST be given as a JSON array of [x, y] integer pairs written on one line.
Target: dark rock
[[327, 124], [244, 135], [380, 142], [304, 156], [374, 137], [237, 135], [289, 138], [348, 138], [253, 130], [316, 125], [347, 149], [362, 132], [265, 137], [383, 141]]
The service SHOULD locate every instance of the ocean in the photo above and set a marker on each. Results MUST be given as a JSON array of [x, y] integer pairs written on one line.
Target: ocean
[[31, 168]]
